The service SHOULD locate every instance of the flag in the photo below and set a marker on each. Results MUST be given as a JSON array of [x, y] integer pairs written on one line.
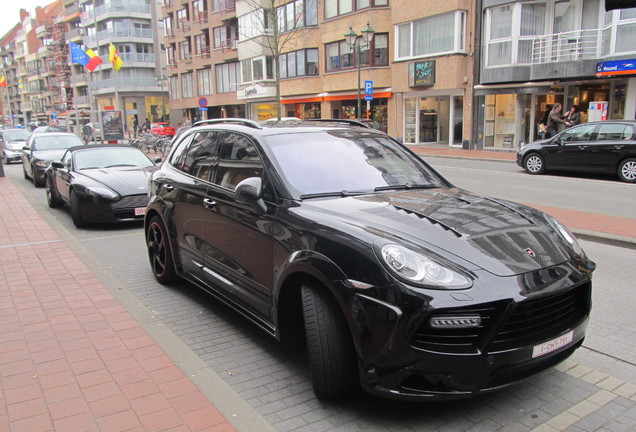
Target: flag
[[3, 81], [88, 59], [114, 57], [20, 82]]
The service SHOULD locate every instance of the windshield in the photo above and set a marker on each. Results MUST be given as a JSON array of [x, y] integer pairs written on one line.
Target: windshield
[[344, 161], [56, 142], [16, 135], [110, 157]]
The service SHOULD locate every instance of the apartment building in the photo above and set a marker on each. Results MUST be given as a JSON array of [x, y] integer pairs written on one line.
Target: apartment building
[[224, 58], [538, 53], [139, 89], [11, 102]]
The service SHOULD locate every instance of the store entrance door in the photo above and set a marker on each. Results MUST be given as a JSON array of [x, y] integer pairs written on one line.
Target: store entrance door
[[434, 119]]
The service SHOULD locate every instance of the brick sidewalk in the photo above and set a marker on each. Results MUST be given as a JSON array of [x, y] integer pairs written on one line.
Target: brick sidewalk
[[71, 357]]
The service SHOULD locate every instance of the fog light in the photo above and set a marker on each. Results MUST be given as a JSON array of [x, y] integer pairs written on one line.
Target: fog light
[[455, 322]]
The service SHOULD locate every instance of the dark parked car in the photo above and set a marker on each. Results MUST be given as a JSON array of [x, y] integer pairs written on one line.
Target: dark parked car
[[596, 147], [100, 183], [399, 281], [41, 149], [12, 141]]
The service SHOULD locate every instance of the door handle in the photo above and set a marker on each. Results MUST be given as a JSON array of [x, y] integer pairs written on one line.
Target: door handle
[[208, 203], [582, 147], [168, 187], [618, 147]]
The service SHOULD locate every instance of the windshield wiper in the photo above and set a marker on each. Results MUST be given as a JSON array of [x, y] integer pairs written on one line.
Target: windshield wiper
[[120, 165], [342, 193], [404, 186]]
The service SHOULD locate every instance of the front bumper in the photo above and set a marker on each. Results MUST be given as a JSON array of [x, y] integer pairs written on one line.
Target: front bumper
[[13, 155], [401, 356], [98, 210]]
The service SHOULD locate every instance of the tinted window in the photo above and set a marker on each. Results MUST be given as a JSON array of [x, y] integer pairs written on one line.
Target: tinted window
[[238, 160], [197, 155], [578, 133], [110, 157], [613, 132], [15, 135], [334, 161], [56, 142]]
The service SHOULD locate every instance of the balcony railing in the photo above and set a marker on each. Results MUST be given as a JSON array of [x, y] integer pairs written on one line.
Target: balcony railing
[[200, 17], [568, 46], [205, 52], [229, 44]]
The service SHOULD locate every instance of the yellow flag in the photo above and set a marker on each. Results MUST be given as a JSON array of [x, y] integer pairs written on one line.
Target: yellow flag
[[113, 57]]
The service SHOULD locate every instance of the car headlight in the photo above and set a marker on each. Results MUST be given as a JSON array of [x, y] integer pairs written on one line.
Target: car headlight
[[420, 269], [43, 163], [102, 192], [566, 235]]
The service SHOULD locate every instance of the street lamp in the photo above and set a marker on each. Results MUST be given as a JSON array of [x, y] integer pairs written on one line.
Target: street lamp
[[351, 38], [161, 80]]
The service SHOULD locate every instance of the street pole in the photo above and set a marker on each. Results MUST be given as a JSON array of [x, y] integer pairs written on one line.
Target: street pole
[[351, 37], [359, 113]]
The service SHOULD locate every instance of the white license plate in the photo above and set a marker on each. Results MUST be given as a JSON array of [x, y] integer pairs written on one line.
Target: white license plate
[[554, 344], [140, 211]]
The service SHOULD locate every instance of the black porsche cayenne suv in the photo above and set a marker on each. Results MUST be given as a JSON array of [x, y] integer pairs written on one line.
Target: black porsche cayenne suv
[[400, 283]]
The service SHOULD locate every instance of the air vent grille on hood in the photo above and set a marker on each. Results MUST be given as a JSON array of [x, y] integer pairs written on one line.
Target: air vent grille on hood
[[429, 219]]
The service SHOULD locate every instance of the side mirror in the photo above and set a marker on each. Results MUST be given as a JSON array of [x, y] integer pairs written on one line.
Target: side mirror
[[157, 160], [250, 190], [57, 164]]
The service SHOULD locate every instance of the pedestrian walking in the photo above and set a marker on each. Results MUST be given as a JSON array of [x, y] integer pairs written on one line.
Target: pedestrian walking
[[554, 120]]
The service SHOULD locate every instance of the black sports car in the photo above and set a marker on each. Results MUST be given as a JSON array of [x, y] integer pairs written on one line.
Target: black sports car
[[100, 183], [402, 283], [41, 149]]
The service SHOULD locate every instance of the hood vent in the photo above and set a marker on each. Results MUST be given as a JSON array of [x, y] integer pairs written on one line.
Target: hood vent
[[432, 221]]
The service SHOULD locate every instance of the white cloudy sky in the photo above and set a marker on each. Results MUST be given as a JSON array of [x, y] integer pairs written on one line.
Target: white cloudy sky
[[10, 12]]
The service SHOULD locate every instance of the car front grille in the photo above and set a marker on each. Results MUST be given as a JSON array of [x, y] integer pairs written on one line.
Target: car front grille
[[506, 326], [131, 201]]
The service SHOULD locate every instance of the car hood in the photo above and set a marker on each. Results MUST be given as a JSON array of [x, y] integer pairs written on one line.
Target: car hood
[[502, 239], [15, 144], [123, 180], [49, 155]]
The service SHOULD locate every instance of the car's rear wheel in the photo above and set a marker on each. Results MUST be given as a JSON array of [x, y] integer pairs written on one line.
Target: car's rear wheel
[[627, 170], [332, 360], [534, 164], [51, 197], [159, 252], [76, 211]]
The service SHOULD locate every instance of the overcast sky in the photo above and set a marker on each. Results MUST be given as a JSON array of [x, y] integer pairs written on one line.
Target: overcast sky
[[10, 12]]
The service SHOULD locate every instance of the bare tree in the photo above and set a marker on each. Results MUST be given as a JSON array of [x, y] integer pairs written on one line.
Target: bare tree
[[276, 26]]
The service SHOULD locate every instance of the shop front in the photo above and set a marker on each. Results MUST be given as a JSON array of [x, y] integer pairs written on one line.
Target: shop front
[[434, 116]]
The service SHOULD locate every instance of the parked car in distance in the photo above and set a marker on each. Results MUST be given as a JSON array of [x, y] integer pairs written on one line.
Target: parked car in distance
[[12, 141], [43, 148], [162, 128], [607, 146], [100, 183], [398, 281], [47, 129]]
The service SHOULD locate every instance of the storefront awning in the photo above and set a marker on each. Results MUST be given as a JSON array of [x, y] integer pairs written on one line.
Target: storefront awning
[[325, 97], [518, 88]]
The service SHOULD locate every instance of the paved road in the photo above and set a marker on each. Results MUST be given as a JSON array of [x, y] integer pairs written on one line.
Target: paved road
[[595, 389]]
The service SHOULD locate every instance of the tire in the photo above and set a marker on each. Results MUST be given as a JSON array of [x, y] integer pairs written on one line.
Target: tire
[[534, 163], [627, 170], [51, 196], [76, 213], [36, 182], [159, 252], [332, 359]]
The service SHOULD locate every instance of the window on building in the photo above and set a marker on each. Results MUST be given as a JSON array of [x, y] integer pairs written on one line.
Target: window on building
[[201, 44], [255, 23], [435, 35], [187, 85], [297, 14], [256, 69], [199, 11], [167, 23], [182, 19], [227, 77], [184, 50], [334, 8], [174, 88], [341, 56], [299, 63], [204, 81], [225, 36]]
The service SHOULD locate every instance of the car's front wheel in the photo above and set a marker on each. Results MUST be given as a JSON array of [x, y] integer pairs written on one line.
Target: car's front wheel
[[51, 197], [159, 252], [627, 170], [76, 211], [332, 359], [534, 164], [36, 181]]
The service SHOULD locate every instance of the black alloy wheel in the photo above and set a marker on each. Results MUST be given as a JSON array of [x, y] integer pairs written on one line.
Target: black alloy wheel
[[159, 252], [534, 163], [627, 170], [76, 211], [332, 359], [51, 196], [36, 182]]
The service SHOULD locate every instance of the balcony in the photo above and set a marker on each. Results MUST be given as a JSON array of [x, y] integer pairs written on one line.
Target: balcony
[[229, 45], [204, 53], [568, 46], [167, 4], [200, 17]]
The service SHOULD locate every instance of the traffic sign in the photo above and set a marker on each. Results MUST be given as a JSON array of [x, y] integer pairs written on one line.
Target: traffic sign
[[368, 87], [203, 102], [368, 97], [203, 108]]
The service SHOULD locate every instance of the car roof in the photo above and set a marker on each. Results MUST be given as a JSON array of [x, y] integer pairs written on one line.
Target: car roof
[[96, 146], [50, 134]]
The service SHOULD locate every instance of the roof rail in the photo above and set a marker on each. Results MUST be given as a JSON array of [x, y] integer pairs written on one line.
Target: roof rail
[[342, 121], [244, 122]]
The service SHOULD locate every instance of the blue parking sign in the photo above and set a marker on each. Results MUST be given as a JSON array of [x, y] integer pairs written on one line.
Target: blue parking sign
[[368, 87]]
